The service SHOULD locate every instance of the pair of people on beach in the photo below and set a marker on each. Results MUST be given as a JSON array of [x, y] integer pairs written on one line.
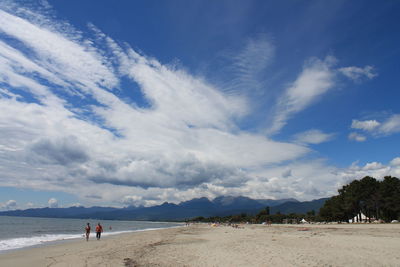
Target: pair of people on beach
[[99, 230]]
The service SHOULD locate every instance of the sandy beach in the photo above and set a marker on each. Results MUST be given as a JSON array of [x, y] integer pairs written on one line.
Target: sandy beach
[[204, 245]]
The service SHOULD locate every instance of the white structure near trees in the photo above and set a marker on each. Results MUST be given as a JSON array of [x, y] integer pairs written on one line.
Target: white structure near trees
[[361, 218]]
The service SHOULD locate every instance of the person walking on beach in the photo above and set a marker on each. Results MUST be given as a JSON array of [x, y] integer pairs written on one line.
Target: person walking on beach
[[87, 229], [99, 230]]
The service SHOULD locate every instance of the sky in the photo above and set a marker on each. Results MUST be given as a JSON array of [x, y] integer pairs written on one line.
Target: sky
[[118, 103]]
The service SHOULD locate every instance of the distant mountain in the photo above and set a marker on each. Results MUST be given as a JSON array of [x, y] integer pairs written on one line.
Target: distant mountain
[[275, 202], [299, 207], [228, 205], [72, 212], [220, 206]]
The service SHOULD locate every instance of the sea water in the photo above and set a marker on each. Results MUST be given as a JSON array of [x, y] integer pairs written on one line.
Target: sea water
[[21, 232]]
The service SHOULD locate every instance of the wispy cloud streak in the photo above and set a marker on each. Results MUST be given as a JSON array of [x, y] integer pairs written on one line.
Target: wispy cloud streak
[[61, 114], [65, 126], [316, 79]]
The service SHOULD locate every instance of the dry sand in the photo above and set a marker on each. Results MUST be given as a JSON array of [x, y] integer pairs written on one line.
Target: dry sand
[[203, 245]]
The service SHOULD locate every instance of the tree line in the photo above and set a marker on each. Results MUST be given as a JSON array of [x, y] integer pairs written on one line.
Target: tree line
[[376, 199], [261, 217]]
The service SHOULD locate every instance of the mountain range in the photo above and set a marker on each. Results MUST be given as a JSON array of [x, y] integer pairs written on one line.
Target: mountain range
[[220, 206]]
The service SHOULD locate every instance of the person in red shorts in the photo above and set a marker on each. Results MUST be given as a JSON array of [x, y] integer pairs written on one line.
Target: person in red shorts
[[99, 230]]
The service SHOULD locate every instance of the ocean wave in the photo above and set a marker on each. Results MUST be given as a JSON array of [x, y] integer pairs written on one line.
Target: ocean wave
[[23, 242]]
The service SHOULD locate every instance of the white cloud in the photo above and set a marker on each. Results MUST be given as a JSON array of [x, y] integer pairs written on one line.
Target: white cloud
[[53, 203], [313, 137], [357, 73], [367, 125], [357, 137], [9, 205], [77, 204], [395, 162], [247, 67], [65, 124], [372, 166], [287, 173], [133, 200], [373, 169], [390, 125], [316, 79], [79, 136], [310, 179], [81, 64]]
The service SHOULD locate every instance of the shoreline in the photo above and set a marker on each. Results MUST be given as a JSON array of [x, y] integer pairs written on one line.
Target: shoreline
[[204, 245], [46, 254], [78, 237]]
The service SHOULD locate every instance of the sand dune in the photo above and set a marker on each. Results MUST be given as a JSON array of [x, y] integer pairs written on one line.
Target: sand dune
[[203, 245]]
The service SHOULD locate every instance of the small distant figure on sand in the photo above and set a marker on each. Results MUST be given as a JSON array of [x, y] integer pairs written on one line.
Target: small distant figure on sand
[[87, 229], [99, 230]]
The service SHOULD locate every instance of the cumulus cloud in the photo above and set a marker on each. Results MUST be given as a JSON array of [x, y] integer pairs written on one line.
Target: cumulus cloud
[[53, 203], [77, 205], [357, 73], [132, 200], [63, 151], [372, 166], [395, 162], [313, 137], [9, 205], [287, 173], [374, 169], [357, 137], [388, 126], [310, 179], [367, 125]]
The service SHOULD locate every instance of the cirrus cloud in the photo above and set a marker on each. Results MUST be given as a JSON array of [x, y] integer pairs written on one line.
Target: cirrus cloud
[[64, 127], [316, 78], [68, 123]]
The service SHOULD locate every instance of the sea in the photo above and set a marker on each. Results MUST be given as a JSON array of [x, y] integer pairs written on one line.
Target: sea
[[23, 232]]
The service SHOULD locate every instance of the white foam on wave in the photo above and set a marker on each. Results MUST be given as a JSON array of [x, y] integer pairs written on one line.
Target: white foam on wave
[[22, 242]]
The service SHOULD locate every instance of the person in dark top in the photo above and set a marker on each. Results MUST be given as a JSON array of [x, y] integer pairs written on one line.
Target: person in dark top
[[87, 229], [99, 230]]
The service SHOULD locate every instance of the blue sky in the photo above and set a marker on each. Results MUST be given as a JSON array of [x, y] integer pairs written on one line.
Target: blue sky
[[139, 102]]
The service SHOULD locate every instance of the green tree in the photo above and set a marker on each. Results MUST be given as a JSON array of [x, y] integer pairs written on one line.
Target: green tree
[[334, 209], [379, 199], [369, 197], [267, 210], [390, 198]]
